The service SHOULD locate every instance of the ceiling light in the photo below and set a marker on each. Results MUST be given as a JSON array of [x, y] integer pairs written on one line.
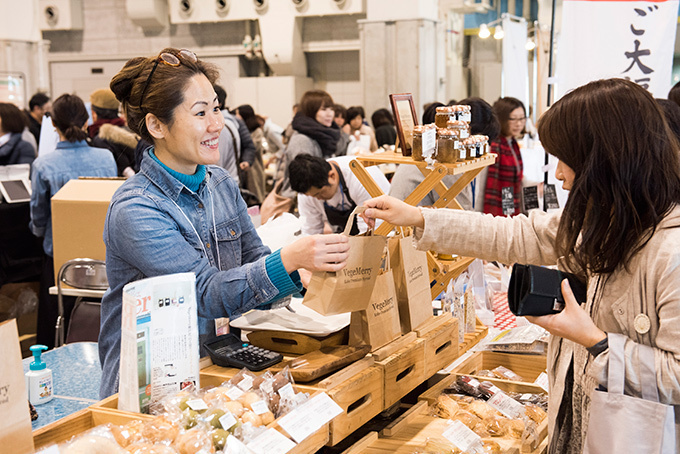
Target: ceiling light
[[498, 33], [484, 31]]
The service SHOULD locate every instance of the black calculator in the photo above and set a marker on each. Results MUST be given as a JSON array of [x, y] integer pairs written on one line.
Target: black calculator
[[229, 351]]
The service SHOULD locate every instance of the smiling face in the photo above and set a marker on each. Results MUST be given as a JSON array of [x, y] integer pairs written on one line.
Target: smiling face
[[192, 137], [325, 115], [565, 174]]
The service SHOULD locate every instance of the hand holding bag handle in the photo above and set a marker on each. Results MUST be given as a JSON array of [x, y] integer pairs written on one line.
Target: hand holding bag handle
[[624, 424]]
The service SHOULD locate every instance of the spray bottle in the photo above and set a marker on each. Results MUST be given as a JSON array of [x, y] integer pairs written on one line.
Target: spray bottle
[[39, 378]]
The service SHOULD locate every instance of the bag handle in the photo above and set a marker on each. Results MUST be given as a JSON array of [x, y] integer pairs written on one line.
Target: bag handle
[[350, 220], [616, 368]]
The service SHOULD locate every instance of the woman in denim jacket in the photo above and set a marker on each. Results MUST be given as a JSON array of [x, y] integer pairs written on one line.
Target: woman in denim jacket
[[180, 213]]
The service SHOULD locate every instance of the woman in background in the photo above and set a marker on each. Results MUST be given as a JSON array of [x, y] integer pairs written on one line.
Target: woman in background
[[72, 158], [254, 176], [355, 127], [504, 178], [383, 123], [13, 149]]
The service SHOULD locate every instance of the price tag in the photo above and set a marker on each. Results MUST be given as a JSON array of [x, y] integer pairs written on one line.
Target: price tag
[[227, 421], [506, 405], [246, 384], [310, 417], [236, 446], [234, 393], [550, 201], [508, 201], [463, 437], [542, 381], [530, 198], [463, 153], [271, 442], [429, 141], [287, 392], [259, 407], [197, 404]]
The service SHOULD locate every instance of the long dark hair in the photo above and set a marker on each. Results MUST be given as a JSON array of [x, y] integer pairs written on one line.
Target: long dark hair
[[250, 118], [614, 137], [503, 107], [165, 90], [69, 116]]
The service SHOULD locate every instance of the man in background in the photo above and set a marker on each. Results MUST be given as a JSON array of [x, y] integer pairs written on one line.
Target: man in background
[[38, 106]]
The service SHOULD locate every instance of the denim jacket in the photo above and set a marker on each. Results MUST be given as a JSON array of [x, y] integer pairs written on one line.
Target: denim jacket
[[156, 226], [52, 171]]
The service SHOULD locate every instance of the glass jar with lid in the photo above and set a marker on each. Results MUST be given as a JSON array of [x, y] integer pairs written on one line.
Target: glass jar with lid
[[447, 145], [417, 150], [462, 127], [443, 115]]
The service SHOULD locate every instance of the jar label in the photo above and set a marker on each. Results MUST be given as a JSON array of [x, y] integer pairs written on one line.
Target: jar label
[[429, 142]]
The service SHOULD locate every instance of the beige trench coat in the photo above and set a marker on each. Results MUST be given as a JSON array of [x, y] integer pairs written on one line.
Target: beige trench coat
[[650, 286]]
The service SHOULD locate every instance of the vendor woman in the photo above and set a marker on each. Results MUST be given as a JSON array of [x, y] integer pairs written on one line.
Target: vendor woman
[[180, 213]]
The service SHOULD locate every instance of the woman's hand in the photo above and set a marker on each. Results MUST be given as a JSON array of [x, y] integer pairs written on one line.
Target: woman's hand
[[393, 211], [572, 323], [316, 253], [244, 166]]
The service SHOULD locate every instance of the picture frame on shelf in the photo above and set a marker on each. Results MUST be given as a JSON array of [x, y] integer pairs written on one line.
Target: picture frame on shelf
[[405, 119]]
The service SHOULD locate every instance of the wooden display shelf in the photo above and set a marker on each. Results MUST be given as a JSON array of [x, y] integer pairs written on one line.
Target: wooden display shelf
[[441, 272], [472, 339], [403, 371], [79, 422], [528, 366], [412, 431], [441, 349]]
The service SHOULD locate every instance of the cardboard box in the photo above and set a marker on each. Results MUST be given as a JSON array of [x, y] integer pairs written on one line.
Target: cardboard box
[[78, 214]]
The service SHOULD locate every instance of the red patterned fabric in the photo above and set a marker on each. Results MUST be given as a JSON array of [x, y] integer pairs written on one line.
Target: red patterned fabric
[[503, 318], [506, 172]]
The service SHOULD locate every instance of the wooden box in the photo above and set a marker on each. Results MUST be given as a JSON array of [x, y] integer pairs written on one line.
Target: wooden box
[[403, 371], [472, 339], [529, 367], [79, 422], [441, 349], [361, 397], [412, 431]]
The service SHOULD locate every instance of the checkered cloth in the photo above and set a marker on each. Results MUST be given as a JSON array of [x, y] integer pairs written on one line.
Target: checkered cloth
[[503, 318]]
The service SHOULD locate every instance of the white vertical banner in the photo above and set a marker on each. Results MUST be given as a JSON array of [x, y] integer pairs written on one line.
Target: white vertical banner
[[515, 61], [602, 39]]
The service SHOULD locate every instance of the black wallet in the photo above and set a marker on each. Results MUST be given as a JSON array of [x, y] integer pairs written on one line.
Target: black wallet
[[535, 290]]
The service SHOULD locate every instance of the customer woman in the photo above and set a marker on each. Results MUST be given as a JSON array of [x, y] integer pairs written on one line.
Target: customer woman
[[505, 176], [72, 158], [254, 176], [180, 213], [13, 149], [314, 133], [355, 127], [619, 230]]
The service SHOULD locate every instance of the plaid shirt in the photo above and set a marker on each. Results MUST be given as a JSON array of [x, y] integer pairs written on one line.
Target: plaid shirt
[[506, 172]]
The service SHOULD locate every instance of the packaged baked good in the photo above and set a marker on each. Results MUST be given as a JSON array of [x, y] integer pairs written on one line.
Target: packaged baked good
[[506, 374], [445, 407], [194, 441], [482, 409], [161, 429]]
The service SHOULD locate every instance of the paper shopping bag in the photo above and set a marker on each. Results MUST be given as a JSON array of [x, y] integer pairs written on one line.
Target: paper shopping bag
[[16, 430], [349, 289], [379, 323], [412, 281]]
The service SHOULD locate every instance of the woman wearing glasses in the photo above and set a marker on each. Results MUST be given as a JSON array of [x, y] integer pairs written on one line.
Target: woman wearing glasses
[[180, 213], [504, 178]]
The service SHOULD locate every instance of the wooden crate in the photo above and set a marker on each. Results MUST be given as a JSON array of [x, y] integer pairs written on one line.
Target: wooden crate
[[472, 339], [79, 422], [529, 367], [361, 397], [411, 431], [403, 371], [430, 396], [441, 349]]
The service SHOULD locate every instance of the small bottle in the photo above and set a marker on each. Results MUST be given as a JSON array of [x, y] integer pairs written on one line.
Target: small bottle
[[447, 145], [417, 152], [39, 378]]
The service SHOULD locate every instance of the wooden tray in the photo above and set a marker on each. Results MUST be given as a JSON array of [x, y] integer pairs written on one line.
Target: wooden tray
[[528, 366], [326, 360], [296, 343]]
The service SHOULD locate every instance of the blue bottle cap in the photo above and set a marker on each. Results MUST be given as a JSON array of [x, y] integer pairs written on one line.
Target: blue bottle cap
[[38, 363]]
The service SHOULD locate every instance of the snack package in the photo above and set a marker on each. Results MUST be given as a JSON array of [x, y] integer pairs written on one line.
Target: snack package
[[506, 374]]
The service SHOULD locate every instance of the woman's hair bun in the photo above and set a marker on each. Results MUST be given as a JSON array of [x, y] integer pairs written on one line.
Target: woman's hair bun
[[122, 83]]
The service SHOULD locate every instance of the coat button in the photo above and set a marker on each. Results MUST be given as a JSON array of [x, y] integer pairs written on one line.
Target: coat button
[[620, 311], [232, 232], [207, 245], [200, 205]]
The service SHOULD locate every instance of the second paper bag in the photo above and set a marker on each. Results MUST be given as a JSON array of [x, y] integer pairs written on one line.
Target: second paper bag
[[350, 288], [379, 323], [412, 279]]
